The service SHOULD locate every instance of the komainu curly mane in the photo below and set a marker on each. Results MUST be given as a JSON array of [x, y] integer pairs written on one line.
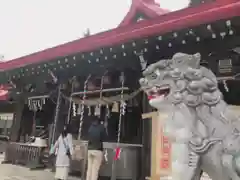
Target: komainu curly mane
[[189, 83]]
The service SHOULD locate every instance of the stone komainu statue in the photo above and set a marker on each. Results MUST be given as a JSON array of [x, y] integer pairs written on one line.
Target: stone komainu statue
[[203, 130]]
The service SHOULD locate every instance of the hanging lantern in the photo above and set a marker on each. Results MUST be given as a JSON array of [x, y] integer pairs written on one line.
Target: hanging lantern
[[115, 107], [97, 111], [89, 111], [225, 66]]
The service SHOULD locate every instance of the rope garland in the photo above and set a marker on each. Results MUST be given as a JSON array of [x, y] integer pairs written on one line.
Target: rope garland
[[74, 109], [121, 114], [82, 106], [107, 113], [56, 117], [225, 86], [98, 107], [70, 100], [101, 95]]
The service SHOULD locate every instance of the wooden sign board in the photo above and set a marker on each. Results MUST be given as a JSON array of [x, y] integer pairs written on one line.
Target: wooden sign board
[[161, 147]]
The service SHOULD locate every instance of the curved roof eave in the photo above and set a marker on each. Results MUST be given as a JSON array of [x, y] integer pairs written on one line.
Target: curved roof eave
[[169, 22], [148, 7]]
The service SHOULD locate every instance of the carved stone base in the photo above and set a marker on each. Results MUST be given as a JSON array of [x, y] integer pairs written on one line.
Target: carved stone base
[[205, 177]]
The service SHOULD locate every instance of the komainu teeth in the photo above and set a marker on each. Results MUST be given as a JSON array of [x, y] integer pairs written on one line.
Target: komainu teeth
[[163, 88], [155, 89]]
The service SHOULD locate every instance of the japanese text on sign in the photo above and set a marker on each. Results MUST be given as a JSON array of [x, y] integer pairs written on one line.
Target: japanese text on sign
[[165, 152]]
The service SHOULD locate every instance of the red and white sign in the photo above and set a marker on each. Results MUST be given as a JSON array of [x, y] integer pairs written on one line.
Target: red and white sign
[[165, 158], [3, 92]]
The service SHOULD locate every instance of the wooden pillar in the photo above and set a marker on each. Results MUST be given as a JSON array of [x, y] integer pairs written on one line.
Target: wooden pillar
[[146, 130], [153, 117], [19, 106]]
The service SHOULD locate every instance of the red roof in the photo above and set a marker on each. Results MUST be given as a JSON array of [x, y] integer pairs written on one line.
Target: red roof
[[205, 13], [148, 7]]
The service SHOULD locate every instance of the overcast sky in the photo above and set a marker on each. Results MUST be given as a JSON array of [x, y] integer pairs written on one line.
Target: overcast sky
[[29, 26]]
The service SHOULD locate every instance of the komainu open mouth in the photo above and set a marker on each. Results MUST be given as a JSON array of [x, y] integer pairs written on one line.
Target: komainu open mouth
[[158, 91]]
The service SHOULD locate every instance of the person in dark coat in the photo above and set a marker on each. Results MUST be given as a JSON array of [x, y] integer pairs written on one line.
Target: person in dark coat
[[96, 136]]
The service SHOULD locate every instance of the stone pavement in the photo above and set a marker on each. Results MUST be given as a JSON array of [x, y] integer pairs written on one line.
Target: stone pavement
[[12, 172]]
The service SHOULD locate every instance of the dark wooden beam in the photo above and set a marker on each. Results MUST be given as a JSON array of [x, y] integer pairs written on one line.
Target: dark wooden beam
[[15, 129]]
